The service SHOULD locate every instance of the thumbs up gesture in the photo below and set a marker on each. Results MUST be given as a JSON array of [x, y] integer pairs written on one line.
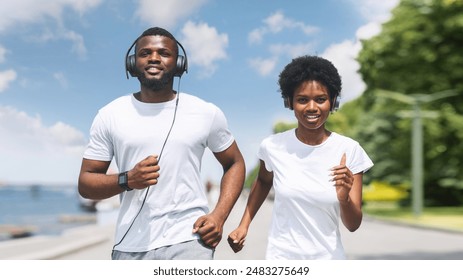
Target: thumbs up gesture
[[343, 179]]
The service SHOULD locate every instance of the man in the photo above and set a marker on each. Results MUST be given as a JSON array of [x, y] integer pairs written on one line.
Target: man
[[157, 137]]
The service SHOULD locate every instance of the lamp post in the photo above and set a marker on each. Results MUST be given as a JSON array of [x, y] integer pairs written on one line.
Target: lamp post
[[416, 114]]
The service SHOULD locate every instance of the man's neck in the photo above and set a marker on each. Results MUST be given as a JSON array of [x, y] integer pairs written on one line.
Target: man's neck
[[158, 96]]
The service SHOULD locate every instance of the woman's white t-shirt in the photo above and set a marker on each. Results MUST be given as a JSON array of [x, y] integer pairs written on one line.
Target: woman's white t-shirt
[[306, 213]]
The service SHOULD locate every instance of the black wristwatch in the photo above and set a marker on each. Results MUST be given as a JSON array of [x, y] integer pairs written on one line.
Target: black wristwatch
[[124, 181]]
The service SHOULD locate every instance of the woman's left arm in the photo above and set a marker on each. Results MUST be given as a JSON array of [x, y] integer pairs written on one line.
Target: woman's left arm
[[349, 193], [351, 208]]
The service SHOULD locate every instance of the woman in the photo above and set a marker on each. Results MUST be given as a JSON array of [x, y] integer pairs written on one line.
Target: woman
[[317, 174]]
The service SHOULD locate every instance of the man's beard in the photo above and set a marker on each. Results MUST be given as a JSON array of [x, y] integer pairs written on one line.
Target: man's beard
[[156, 84]]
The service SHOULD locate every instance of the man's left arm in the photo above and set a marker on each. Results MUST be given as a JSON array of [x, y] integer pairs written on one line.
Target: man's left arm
[[210, 226]]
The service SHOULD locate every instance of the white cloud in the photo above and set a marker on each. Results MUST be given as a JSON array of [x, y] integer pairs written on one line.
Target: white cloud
[[6, 77], [344, 54], [368, 30], [34, 152], [291, 50], [376, 13], [343, 57], [59, 76], [276, 23], [3, 52], [77, 40], [166, 14], [263, 66], [67, 137], [256, 36], [374, 10], [16, 13], [82, 6], [205, 46]]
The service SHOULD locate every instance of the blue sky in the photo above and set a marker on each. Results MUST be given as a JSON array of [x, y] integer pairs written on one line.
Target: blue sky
[[61, 60]]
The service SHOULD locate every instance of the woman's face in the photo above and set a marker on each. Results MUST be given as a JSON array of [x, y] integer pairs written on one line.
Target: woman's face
[[311, 104]]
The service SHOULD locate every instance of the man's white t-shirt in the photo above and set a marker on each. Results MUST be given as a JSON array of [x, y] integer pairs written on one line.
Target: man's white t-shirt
[[306, 212], [129, 131]]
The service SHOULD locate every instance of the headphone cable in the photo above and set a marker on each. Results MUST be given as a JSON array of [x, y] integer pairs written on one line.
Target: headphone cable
[[159, 159]]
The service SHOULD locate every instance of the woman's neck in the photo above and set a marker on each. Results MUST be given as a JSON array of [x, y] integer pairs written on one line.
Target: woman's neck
[[312, 137]]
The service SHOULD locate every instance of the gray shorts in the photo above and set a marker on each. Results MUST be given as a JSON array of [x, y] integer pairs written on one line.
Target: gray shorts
[[189, 250]]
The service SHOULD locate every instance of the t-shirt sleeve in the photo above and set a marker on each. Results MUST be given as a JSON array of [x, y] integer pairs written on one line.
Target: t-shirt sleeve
[[100, 146], [262, 154], [359, 160], [220, 137]]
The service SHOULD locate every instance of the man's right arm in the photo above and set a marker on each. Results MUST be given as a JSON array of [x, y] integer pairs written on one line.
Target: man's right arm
[[95, 183]]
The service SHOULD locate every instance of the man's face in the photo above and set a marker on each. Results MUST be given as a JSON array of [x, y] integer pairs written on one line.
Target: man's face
[[156, 59]]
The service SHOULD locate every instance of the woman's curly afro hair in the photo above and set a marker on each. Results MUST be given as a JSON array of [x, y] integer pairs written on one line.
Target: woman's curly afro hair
[[309, 68]]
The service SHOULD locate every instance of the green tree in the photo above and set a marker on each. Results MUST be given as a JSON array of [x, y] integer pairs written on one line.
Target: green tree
[[418, 51]]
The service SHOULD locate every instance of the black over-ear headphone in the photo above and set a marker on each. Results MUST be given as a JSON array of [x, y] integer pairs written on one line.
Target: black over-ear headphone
[[334, 106], [130, 60]]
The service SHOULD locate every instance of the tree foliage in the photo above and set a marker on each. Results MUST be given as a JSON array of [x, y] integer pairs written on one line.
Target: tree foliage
[[419, 51]]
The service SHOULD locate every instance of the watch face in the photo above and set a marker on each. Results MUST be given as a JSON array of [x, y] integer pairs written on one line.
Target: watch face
[[123, 178], [123, 181]]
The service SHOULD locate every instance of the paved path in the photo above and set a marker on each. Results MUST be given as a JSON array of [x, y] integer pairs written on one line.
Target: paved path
[[377, 240], [373, 240]]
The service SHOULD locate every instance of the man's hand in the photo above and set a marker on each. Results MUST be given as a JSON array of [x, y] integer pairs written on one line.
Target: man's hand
[[145, 173], [210, 229]]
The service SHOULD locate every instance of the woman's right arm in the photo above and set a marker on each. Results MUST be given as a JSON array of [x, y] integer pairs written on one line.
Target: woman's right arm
[[259, 193]]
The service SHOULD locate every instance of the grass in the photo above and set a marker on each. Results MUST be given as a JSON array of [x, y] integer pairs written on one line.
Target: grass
[[448, 218]]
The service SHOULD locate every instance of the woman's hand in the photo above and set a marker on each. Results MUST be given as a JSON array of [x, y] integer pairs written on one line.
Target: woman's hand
[[236, 239], [343, 180]]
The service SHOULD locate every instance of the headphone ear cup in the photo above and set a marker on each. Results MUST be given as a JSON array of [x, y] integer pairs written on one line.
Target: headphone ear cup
[[181, 66], [130, 65], [336, 103], [287, 102]]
